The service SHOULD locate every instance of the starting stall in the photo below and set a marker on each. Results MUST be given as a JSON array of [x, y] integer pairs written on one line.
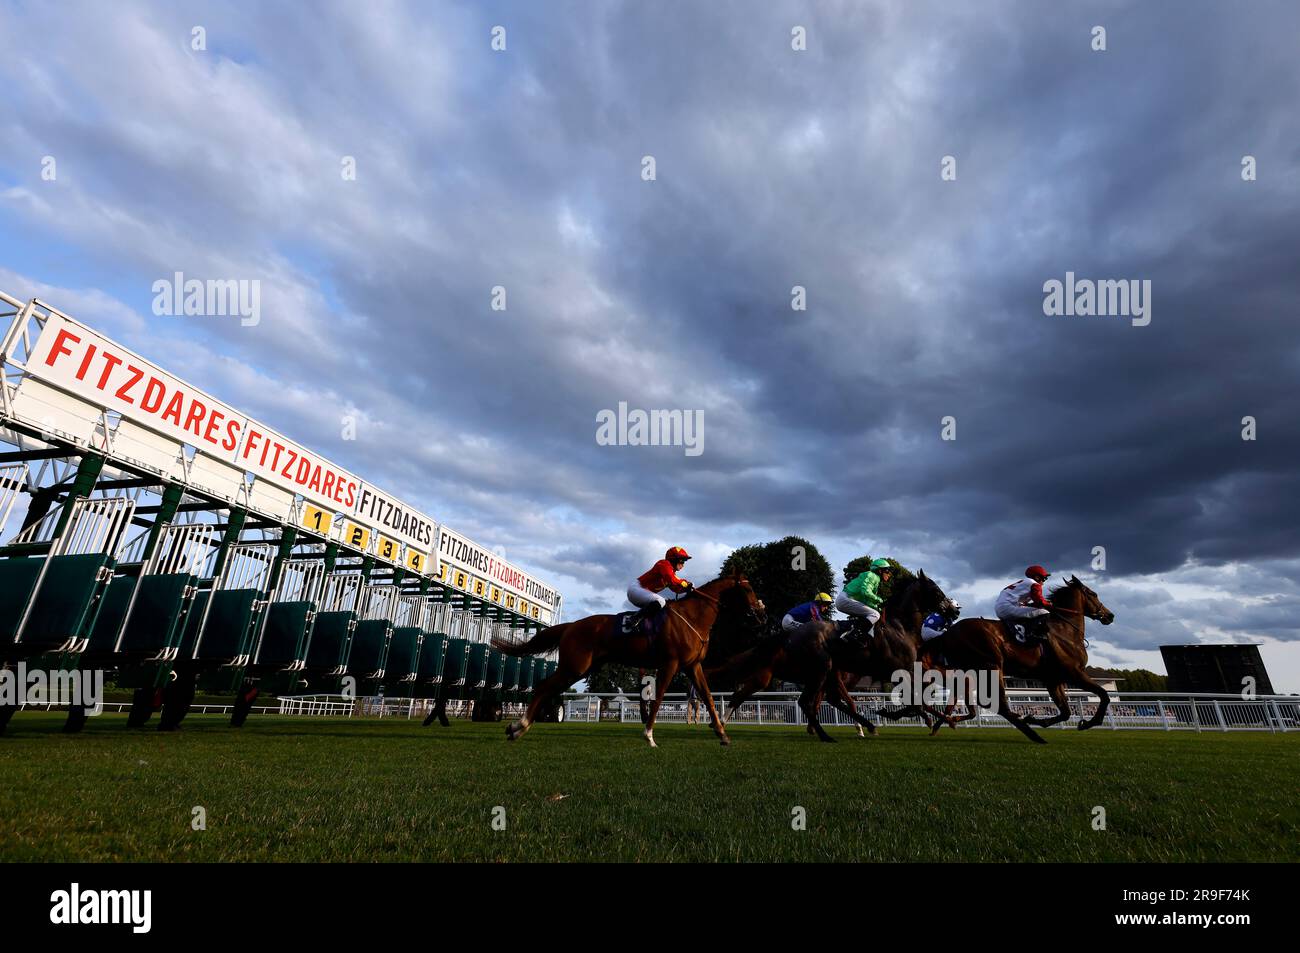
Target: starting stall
[[154, 535]]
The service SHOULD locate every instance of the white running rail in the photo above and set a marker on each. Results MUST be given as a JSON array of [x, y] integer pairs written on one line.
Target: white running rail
[[1158, 712]]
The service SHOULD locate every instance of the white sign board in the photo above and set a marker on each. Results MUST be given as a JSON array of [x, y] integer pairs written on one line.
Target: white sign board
[[73, 359], [484, 574]]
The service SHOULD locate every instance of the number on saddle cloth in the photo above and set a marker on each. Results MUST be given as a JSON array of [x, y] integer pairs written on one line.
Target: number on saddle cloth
[[1023, 632]]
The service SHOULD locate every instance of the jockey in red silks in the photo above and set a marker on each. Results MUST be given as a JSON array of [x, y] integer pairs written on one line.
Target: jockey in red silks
[[1023, 602], [644, 590]]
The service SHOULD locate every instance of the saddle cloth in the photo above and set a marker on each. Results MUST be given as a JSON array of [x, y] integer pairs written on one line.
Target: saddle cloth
[[1019, 632], [649, 625]]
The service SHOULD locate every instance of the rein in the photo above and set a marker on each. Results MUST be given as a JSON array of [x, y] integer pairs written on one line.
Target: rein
[[1074, 625], [678, 615], [700, 592], [694, 631]]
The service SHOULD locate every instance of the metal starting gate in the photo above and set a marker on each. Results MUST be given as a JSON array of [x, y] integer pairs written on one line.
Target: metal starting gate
[[137, 542]]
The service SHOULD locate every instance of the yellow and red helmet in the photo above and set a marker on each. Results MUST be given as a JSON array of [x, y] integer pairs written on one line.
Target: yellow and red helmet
[[677, 554]]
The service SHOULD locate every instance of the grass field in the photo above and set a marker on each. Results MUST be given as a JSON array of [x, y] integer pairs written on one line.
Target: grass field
[[366, 790]]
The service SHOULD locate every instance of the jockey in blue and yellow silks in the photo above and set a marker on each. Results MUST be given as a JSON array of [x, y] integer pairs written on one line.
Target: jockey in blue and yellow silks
[[814, 610]]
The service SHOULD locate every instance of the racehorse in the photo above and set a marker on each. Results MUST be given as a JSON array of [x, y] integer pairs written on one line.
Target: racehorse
[[1060, 662], [680, 644], [898, 645], [815, 657]]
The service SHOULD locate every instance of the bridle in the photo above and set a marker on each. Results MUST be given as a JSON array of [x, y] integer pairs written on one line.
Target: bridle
[[1075, 625]]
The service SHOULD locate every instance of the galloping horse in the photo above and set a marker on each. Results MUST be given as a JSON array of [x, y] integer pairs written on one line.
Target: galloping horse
[[681, 644], [975, 644], [815, 657], [897, 645]]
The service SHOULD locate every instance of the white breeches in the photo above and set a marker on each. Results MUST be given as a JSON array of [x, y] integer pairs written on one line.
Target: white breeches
[[928, 633], [850, 606], [643, 598], [1012, 611]]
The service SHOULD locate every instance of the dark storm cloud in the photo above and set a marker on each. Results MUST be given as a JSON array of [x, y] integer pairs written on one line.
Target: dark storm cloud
[[775, 169]]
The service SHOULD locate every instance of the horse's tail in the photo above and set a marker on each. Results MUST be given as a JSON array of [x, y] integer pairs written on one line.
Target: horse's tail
[[543, 641], [754, 659]]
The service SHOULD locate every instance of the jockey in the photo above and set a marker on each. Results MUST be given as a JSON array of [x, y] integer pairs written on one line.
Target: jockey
[[814, 611], [861, 597], [1023, 602], [644, 590]]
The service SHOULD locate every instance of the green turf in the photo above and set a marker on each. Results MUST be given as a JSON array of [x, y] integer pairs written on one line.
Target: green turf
[[362, 790]]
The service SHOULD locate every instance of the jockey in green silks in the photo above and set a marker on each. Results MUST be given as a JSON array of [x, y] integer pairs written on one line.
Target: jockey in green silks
[[861, 597]]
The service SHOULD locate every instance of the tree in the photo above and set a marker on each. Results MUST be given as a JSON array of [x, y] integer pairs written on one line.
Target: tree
[[1141, 680], [858, 566], [783, 573], [612, 678]]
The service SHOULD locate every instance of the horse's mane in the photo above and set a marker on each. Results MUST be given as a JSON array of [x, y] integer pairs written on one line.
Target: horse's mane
[[903, 592], [735, 579], [1071, 584]]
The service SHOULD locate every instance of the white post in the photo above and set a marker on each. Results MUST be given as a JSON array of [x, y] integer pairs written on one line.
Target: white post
[[1164, 717], [1218, 713]]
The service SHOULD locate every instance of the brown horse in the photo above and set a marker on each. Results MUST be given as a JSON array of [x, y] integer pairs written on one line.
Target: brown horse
[[1060, 662], [815, 657], [680, 645]]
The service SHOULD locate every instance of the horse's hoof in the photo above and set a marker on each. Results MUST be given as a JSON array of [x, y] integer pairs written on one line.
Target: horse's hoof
[[1040, 741], [871, 730], [725, 742]]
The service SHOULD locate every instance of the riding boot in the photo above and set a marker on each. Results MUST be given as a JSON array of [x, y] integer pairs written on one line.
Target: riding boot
[[856, 634], [633, 622]]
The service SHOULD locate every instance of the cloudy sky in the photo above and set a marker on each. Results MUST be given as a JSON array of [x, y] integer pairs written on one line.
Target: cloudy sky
[[524, 169]]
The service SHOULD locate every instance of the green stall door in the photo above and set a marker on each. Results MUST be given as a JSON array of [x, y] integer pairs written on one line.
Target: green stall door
[[433, 658], [284, 639], [331, 641]]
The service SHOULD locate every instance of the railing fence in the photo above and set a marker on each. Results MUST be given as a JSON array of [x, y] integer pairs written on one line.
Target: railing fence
[[1160, 712]]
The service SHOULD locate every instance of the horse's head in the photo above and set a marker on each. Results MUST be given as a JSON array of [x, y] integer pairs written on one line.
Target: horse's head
[[740, 598], [1089, 604], [930, 598]]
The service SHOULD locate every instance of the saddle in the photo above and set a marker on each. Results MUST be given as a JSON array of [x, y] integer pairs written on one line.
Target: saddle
[[851, 630], [638, 622]]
